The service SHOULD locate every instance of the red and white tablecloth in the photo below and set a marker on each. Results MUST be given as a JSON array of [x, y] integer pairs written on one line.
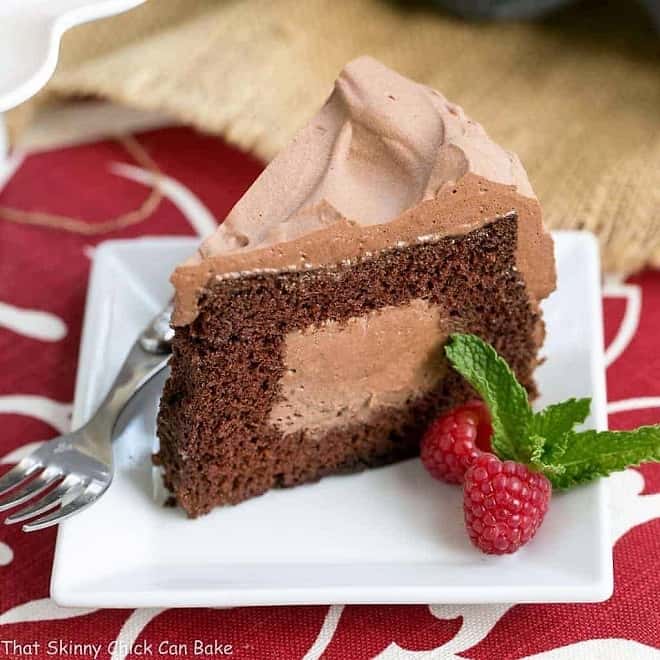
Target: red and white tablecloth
[[43, 281]]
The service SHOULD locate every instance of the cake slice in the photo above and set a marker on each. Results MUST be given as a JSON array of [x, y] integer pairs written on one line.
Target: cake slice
[[310, 327]]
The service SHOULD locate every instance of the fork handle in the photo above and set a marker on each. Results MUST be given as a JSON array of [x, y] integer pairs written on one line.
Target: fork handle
[[157, 336], [148, 355]]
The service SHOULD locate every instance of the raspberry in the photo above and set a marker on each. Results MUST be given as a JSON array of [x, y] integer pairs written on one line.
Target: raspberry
[[454, 440], [504, 503]]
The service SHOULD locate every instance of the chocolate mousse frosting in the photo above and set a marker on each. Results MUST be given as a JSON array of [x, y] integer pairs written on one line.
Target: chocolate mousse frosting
[[386, 162]]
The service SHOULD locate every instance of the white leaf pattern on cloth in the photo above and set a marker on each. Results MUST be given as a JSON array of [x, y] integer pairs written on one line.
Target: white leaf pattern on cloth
[[131, 630], [628, 507], [478, 621], [32, 323], [632, 293], [57, 414], [326, 633], [6, 554], [638, 403]]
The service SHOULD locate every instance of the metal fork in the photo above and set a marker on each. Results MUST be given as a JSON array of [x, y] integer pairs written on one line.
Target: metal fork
[[78, 467]]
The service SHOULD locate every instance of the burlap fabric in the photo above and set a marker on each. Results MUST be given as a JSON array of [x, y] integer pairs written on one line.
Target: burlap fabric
[[577, 96]]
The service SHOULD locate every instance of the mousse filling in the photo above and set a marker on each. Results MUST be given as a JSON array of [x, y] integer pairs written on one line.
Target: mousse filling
[[336, 373]]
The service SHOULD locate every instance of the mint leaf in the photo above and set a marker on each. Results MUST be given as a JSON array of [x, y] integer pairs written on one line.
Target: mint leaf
[[506, 398], [537, 448], [555, 450], [592, 454], [554, 422], [560, 418], [541, 458]]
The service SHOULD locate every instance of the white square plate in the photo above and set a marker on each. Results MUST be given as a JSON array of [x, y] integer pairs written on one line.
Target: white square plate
[[388, 535]]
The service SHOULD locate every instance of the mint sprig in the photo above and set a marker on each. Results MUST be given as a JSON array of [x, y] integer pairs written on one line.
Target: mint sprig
[[592, 454], [561, 417], [546, 440], [505, 397]]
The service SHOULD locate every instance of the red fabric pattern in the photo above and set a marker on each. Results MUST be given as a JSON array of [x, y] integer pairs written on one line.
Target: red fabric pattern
[[365, 631], [47, 270]]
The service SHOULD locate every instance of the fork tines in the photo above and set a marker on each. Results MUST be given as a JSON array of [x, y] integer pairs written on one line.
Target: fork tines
[[29, 479]]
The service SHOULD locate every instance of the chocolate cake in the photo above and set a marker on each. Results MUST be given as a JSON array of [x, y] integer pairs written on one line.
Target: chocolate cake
[[310, 327]]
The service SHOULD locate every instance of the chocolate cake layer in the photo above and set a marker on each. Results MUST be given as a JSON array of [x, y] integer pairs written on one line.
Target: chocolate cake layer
[[234, 419]]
